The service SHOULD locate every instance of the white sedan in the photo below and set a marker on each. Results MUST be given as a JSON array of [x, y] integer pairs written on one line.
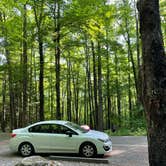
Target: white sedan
[[59, 137]]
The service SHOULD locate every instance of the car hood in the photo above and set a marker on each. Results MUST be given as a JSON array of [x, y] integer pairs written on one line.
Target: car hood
[[97, 134]]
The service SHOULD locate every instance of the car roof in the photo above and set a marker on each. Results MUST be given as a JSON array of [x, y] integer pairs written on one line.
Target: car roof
[[62, 122]]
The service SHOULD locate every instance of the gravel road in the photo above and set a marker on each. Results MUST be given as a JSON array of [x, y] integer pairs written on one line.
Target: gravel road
[[127, 151]]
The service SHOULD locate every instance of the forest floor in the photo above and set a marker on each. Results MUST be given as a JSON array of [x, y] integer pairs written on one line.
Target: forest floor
[[127, 151]]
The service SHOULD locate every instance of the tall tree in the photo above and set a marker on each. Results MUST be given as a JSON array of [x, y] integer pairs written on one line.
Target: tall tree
[[118, 94], [39, 16], [69, 96], [56, 9], [154, 79], [57, 61], [95, 84], [25, 76], [3, 113], [100, 98]]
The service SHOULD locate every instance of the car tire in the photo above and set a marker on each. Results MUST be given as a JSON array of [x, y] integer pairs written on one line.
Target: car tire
[[26, 149], [88, 150]]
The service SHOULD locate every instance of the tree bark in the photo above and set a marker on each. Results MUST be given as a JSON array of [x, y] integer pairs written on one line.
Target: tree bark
[[100, 97], [118, 97], [57, 58], [69, 115], [75, 96], [95, 86], [153, 80], [108, 86], [3, 113], [38, 11], [138, 58], [24, 74], [88, 75]]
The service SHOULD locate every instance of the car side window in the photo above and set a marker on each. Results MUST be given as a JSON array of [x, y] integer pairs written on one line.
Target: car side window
[[60, 129], [44, 128], [34, 129]]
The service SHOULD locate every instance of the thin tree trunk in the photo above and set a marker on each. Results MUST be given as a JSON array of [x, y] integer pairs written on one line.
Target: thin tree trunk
[[31, 90], [129, 99], [100, 110], [41, 80], [3, 114], [138, 57], [118, 97], [129, 86], [130, 53], [51, 96], [85, 101], [76, 94], [11, 94], [36, 91], [95, 86], [108, 87], [69, 88], [57, 59], [25, 76], [88, 75], [39, 19]]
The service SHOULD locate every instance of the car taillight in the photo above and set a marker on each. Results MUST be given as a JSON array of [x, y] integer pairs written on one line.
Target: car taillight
[[13, 135]]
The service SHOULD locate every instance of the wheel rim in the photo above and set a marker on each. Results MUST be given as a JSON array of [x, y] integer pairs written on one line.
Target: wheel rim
[[88, 151], [26, 150]]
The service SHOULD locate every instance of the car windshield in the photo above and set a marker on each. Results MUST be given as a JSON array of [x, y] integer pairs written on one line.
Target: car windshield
[[76, 127]]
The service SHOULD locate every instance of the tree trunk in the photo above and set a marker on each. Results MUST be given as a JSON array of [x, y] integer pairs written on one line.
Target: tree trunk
[[36, 90], [100, 110], [41, 81], [154, 80], [75, 95], [88, 75], [95, 86], [130, 55], [11, 93], [3, 114], [108, 86], [57, 58], [38, 11], [138, 58], [25, 76], [85, 101], [129, 87], [68, 88], [129, 99], [31, 90], [118, 97]]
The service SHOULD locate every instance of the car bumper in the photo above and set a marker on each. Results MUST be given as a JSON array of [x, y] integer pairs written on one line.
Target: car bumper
[[104, 148], [13, 145], [107, 146]]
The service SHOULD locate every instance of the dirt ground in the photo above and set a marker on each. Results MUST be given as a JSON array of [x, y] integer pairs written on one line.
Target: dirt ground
[[127, 151]]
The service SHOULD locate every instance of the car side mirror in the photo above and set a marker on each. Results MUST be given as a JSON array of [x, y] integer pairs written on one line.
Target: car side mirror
[[69, 133]]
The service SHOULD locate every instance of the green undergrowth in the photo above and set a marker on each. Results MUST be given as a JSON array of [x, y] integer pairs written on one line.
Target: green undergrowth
[[128, 132]]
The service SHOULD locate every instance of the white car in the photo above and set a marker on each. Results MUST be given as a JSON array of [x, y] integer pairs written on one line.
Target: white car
[[59, 137]]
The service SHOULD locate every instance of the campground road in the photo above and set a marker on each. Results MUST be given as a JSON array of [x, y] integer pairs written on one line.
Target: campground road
[[127, 151]]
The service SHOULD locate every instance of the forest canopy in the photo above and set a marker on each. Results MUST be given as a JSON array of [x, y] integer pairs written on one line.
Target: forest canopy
[[77, 60]]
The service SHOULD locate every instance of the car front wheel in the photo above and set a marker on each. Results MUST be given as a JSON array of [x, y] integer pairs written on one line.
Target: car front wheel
[[26, 149], [88, 150]]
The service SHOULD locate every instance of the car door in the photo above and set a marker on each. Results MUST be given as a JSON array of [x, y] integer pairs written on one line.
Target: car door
[[61, 142], [40, 137]]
